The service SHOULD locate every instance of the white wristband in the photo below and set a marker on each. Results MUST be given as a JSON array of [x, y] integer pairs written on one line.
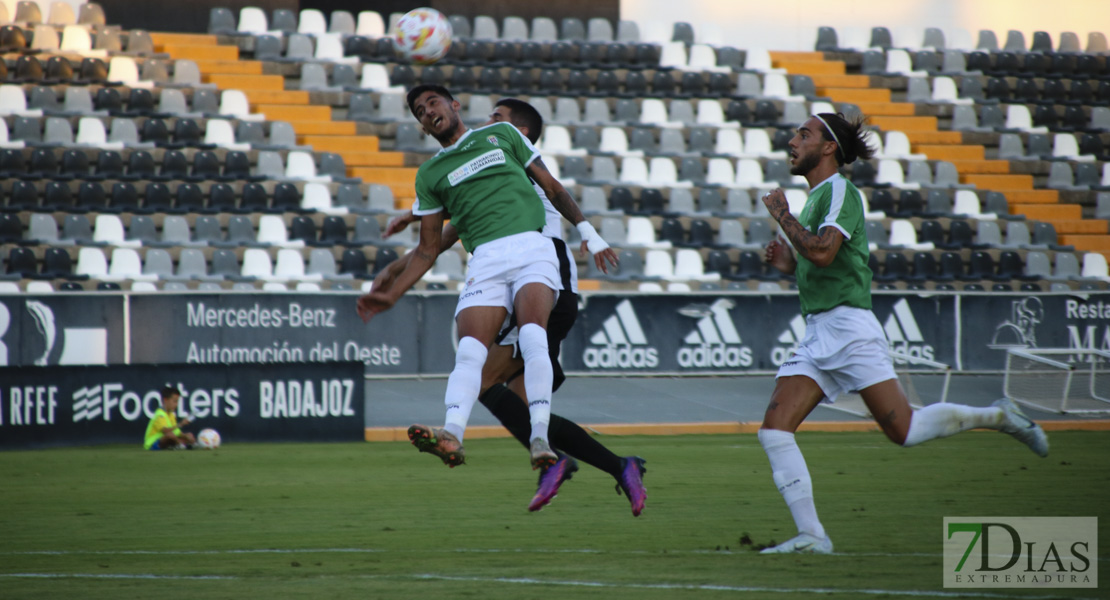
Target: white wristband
[[594, 242]]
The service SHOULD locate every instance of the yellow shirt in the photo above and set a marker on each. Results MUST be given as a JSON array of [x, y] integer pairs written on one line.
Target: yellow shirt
[[161, 420]]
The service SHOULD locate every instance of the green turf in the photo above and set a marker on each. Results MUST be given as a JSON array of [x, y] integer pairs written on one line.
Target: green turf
[[383, 521]]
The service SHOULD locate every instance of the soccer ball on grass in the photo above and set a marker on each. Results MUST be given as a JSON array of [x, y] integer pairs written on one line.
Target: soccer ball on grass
[[209, 439], [423, 35]]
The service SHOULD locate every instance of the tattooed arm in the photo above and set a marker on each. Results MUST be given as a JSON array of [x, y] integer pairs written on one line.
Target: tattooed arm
[[562, 201], [820, 248], [558, 195]]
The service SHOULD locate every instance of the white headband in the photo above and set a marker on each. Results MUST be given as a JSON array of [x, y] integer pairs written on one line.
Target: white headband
[[833, 134]]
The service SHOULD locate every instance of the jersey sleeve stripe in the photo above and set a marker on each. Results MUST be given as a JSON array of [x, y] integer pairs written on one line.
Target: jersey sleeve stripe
[[416, 210], [838, 188]]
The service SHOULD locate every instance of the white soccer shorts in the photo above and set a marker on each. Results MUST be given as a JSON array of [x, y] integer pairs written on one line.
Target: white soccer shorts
[[844, 350], [500, 268]]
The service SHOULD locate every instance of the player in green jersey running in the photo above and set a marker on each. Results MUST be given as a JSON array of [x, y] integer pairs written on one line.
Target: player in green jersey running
[[844, 348], [483, 179]]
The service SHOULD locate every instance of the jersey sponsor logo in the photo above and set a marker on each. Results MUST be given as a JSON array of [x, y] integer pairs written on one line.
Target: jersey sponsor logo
[[904, 335], [714, 342], [621, 343], [489, 159], [788, 340]]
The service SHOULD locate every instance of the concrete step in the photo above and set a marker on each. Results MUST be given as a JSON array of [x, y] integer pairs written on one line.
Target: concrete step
[[374, 159], [340, 143], [289, 112], [999, 182], [271, 83], [997, 167], [276, 97], [855, 95], [840, 81], [230, 67], [810, 67], [887, 109], [1087, 242], [949, 152], [934, 137], [200, 52], [906, 124], [324, 127], [806, 55], [384, 175], [1026, 196], [1049, 212], [1079, 226], [162, 38]]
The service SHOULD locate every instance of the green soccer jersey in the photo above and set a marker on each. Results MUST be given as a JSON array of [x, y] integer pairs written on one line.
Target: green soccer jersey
[[835, 202], [480, 181]]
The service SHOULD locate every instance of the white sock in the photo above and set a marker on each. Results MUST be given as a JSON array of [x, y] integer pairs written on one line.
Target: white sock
[[538, 377], [943, 419], [791, 476], [463, 385]]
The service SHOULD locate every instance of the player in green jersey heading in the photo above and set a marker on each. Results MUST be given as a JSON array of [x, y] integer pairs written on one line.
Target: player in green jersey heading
[[483, 179], [502, 387], [844, 348]]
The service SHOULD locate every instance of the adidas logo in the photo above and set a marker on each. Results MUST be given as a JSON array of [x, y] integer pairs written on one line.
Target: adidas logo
[[714, 342], [621, 343], [788, 340], [904, 335]]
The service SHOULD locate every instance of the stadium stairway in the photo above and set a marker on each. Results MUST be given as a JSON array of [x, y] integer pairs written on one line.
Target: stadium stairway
[[832, 80], [221, 65]]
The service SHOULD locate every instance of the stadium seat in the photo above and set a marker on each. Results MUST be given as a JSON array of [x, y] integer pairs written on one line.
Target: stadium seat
[[257, 264], [370, 24], [290, 265], [353, 263], [22, 263], [221, 21]]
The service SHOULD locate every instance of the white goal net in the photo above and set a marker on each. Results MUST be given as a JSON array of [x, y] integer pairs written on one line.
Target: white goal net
[[1064, 380]]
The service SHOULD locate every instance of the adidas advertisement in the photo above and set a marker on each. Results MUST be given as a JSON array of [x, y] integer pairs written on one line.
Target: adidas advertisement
[[714, 343], [621, 343], [904, 334], [69, 406], [732, 334], [661, 334], [918, 327], [788, 340]]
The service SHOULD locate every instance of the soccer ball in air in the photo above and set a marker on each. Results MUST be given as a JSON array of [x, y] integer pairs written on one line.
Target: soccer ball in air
[[423, 35], [208, 439]]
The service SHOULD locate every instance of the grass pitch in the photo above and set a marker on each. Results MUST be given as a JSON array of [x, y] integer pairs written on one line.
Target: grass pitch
[[380, 520]]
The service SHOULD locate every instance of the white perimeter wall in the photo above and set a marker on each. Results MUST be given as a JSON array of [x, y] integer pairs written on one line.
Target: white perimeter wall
[[792, 24]]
